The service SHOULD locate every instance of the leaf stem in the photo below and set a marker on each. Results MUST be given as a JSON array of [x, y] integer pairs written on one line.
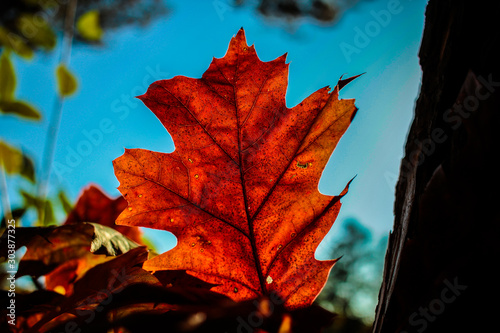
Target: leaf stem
[[55, 121]]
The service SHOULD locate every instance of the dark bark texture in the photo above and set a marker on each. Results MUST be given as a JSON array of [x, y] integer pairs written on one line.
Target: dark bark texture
[[440, 272]]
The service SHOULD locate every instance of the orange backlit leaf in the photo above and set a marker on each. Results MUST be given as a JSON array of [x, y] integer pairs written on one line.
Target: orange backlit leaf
[[240, 191], [94, 205]]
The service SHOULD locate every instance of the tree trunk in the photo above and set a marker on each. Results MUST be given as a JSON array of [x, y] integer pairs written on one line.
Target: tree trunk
[[440, 273]]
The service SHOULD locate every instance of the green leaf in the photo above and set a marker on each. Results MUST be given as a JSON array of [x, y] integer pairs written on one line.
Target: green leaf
[[36, 31], [42, 206], [88, 26], [30, 200], [21, 109], [15, 43], [7, 78], [15, 162], [11, 158], [65, 202], [16, 213], [49, 218], [66, 81], [28, 169]]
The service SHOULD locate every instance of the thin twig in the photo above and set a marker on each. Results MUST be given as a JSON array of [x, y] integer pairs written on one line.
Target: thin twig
[[55, 121]]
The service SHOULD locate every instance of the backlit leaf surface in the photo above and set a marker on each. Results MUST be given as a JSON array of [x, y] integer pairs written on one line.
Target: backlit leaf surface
[[240, 191]]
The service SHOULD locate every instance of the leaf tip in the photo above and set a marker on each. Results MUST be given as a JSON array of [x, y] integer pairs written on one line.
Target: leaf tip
[[239, 41], [343, 82], [283, 57], [346, 189], [240, 34]]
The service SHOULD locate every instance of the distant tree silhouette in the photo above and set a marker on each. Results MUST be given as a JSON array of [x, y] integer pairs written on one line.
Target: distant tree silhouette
[[353, 285], [325, 11]]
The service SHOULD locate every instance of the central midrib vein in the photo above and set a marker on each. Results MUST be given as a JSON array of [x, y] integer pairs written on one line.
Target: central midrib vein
[[268, 195], [251, 234]]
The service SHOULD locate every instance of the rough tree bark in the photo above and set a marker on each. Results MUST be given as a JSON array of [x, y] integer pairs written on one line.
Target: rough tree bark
[[440, 272]]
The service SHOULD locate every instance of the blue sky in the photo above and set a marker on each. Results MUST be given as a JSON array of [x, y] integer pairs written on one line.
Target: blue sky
[[103, 117]]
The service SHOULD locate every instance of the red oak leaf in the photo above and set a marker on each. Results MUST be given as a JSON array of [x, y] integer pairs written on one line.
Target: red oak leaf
[[94, 205], [240, 191]]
